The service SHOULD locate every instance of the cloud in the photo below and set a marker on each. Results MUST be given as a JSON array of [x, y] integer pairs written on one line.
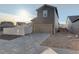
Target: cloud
[[26, 17]]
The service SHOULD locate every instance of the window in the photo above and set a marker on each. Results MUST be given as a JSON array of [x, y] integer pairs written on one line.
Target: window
[[45, 13]]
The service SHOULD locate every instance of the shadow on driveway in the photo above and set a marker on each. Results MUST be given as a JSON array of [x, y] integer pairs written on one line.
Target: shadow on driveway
[[9, 37]]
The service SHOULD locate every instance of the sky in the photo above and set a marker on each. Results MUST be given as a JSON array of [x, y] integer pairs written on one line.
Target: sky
[[29, 10]]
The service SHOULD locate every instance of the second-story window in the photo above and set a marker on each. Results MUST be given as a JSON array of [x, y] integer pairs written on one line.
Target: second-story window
[[45, 13]]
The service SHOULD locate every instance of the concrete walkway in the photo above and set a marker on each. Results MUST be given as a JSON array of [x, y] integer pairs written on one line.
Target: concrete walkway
[[59, 51], [64, 51]]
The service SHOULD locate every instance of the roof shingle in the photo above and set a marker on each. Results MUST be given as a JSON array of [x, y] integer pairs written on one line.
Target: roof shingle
[[73, 18]]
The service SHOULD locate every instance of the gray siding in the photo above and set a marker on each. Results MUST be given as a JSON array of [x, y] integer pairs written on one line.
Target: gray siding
[[49, 19], [75, 27]]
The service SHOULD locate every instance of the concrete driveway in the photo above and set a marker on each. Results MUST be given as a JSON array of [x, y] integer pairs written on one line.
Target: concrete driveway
[[30, 44], [25, 44]]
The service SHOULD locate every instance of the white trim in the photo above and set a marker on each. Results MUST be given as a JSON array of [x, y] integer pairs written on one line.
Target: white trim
[[54, 20], [45, 13]]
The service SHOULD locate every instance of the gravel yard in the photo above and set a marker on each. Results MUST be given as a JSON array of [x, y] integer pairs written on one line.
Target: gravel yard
[[62, 40]]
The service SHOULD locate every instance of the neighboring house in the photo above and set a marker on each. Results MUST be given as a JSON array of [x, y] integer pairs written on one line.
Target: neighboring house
[[6, 24], [73, 24], [10, 26], [20, 23], [18, 30], [46, 20], [21, 28]]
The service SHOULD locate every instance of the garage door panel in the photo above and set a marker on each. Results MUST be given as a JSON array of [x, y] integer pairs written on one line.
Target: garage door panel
[[42, 28]]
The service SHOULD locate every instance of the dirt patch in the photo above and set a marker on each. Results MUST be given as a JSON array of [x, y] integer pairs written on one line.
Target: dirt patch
[[62, 40]]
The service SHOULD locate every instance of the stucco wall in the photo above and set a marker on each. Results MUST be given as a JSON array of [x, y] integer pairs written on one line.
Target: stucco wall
[[47, 28], [28, 29], [20, 30], [13, 31]]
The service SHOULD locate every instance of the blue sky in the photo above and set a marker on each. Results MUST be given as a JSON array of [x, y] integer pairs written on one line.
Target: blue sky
[[64, 10]]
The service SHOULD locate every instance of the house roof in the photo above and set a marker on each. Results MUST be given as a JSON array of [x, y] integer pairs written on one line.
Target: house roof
[[49, 6], [6, 24], [45, 5], [74, 18], [21, 23]]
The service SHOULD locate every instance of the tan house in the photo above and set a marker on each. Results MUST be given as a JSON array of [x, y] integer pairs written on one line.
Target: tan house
[[73, 24], [46, 20]]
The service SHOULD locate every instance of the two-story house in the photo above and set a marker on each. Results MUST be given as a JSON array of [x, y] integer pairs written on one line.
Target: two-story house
[[46, 20]]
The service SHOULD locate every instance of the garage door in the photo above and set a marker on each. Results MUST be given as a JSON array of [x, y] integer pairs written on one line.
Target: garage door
[[42, 28]]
